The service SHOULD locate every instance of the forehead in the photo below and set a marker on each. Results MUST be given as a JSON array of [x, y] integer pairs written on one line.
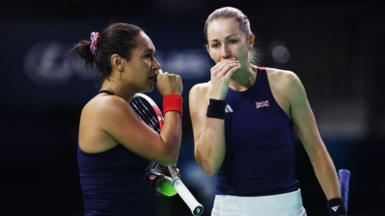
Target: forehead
[[144, 42], [221, 28]]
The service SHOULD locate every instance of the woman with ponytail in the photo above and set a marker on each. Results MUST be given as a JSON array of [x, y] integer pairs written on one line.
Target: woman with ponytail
[[245, 120], [115, 146]]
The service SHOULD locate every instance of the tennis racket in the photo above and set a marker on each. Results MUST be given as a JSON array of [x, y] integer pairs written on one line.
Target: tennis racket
[[344, 178], [150, 113]]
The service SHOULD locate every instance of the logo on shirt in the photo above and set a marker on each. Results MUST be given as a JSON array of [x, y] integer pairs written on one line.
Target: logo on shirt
[[228, 109], [262, 104], [335, 208]]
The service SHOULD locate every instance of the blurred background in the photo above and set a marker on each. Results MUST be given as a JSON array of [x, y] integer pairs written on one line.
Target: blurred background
[[336, 48]]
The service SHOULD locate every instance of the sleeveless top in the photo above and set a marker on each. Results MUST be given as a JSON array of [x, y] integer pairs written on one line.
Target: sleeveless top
[[260, 154], [114, 182]]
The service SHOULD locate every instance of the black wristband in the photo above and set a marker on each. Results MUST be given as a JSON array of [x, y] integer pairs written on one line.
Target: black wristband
[[216, 109], [336, 207]]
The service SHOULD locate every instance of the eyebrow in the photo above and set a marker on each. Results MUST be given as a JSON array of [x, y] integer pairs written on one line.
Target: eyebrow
[[148, 51], [225, 37]]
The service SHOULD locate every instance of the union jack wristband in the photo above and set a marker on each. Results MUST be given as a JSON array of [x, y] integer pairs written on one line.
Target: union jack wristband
[[216, 109], [336, 207]]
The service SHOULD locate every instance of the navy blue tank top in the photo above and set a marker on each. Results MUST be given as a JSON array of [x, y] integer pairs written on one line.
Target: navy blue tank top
[[115, 183], [260, 154]]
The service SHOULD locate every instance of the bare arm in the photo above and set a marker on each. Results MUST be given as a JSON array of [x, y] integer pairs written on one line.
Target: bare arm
[[306, 128], [209, 133], [119, 120]]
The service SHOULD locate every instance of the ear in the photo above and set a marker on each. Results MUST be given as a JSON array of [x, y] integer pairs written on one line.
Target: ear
[[117, 62], [251, 40]]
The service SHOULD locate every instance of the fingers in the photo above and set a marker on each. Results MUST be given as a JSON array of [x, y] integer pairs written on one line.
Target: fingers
[[227, 68], [171, 77], [223, 68], [220, 66], [232, 71], [168, 83], [166, 75]]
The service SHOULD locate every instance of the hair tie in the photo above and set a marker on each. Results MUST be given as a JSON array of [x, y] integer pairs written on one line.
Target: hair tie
[[94, 42]]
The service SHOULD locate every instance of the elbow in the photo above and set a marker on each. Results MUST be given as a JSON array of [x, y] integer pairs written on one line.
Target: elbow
[[317, 152], [321, 157], [210, 170], [170, 152], [170, 157], [206, 165], [168, 160]]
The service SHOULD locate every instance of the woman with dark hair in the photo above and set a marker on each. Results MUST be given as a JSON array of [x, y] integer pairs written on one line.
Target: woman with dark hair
[[115, 146], [244, 121]]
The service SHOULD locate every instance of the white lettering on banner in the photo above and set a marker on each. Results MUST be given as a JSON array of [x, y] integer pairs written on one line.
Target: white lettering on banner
[[49, 64]]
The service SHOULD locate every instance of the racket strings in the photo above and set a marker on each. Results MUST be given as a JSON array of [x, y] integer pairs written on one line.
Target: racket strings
[[148, 116], [146, 113]]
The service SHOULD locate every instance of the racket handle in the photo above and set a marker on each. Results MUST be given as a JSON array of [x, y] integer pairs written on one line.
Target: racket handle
[[195, 207], [344, 178]]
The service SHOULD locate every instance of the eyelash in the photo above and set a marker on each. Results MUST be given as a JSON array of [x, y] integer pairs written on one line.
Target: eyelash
[[234, 41], [150, 55]]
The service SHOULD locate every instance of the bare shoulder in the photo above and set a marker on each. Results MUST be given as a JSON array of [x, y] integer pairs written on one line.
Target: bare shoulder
[[283, 79], [282, 76], [105, 105], [96, 119], [199, 91], [200, 88], [198, 96], [287, 83]]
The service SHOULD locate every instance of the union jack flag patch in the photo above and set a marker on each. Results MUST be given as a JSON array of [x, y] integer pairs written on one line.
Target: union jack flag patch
[[261, 104]]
